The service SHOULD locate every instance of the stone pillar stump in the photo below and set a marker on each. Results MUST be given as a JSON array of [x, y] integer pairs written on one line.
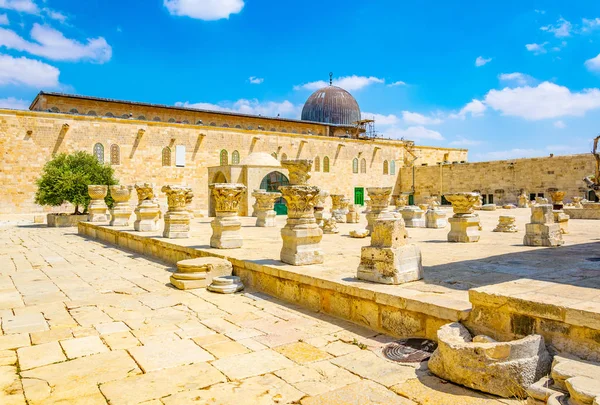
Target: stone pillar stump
[[177, 218], [413, 216], [389, 260], [542, 231], [147, 212], [98, 210], [263, 207], [506, 223], [557, 199], [227, 227], [436, 218], [199, 272], [121, 211], [352, 217], [320, 213], [464, 225], [337, 208], [380, 205]]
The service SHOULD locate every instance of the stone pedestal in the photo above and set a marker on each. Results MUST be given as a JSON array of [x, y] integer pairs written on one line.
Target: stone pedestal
[[389, 260], [263, 207], [147, 212], [414, 217], [523, 201], [319, 209], [177, 218], [121, 211], [338, 209], [226, 285], [227, 227], [380, 205], [542, 231], [557, 199], [199, 272], [401, 201], [98, 210], [562, 220], [436, 218], [506, 223], [301, 234], [464, 225], [352, 217], [330, 226], [359, 233]]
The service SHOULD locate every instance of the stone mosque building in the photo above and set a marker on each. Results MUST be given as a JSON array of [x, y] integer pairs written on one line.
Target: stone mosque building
[[176, 145]]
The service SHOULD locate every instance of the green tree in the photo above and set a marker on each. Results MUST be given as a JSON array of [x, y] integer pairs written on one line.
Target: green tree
[[66, 179]]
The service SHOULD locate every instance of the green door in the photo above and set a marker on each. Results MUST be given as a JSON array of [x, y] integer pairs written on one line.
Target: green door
[[359, 196], [411, 200], [271, 183]]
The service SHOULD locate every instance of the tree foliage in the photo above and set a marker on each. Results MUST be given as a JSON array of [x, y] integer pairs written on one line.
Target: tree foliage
[[66, 179]]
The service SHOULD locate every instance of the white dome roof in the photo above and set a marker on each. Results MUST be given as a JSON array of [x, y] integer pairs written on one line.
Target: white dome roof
[[260, 159]]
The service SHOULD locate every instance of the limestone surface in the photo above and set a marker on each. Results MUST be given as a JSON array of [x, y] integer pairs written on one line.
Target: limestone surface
[[227, 228], [505, 369], [414, 217], [436, 218], [379, 202], [121, 211], [263, 208], [147, 212], [199, 272], [177, 218], [98, 210], [226, 285], [506, 223], [464, 225], [542, 231]]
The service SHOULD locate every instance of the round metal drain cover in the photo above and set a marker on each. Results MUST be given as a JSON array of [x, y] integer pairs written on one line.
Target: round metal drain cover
[[593, 259], [412, 350]]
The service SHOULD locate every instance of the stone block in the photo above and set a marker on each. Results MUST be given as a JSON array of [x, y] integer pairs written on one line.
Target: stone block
[[199, 272], [543, 235], [488, 207], [64, 220], [414, 217], [542, 214], [226, 285], [359, 233], [302, 246], [266, 218], [390, 265], [464, 229], [389, 233], [506, 223], [436, 219], [562, 220], [227, 233]]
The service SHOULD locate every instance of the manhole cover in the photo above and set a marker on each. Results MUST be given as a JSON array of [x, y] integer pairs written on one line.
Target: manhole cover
[[410, 350], [593, 259]]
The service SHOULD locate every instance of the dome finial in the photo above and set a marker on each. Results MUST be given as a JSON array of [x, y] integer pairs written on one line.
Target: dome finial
[[331, 78]]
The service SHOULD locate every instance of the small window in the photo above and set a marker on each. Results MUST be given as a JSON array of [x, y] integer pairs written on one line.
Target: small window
[[212, 124], [363, 165], [99, 152], [386, 167], [185, 122], [74, 111], [317, 164], [109, 114], [55, 109], [225, 125], [180, 156], [224, 158], [166, 156], [274, 154], [142, 118], [250, 127], [92, 113], [393, 167], [235, 157], [115, 154], [238, 126], [283, 130], [157, 119], [326, 164], [172, 121], [355, 165], [273, 130], [283, 156]]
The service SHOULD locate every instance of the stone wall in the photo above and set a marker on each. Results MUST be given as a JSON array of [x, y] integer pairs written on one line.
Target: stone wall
[[504, 178], [30, 138]]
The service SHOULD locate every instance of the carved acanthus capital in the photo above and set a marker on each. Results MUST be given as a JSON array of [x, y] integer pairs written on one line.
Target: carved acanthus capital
[[121, 194], [265, 201], [380, 197], [301, 200], [189, 196], [176, 197], [227, 196], [463, 203], [336, 201], [557, 196], [298, 170], [145, 191], [97, 192]]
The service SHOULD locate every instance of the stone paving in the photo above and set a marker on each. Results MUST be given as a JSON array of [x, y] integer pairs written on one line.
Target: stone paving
[[84, 323]]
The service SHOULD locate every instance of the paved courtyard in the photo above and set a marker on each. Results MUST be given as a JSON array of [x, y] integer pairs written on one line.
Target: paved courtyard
[[84, 323]]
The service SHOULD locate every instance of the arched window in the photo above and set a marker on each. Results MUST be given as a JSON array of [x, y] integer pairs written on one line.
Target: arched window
[[166, 156], [141, 118], [363, 165], [225, 125], [272, 130], [125, 116], [115, 154], [238, 126], [386, 167], [157, 119], [185, 122], [392, 167], [224, 158], [109, 114], [274, 154], [212, 124], [283, 156], [92, 113], [250, 127], [317, 164], [172, 120], [235, 157], [55, 109], [74, 111], [355, 165], [283, 130], [326, 164], [99, 152]]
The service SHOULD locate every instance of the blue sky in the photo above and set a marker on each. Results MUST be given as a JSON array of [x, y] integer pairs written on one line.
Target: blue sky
[[504, 79]]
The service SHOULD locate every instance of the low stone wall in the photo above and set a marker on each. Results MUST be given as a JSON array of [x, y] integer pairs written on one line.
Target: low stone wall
[[397, 315], [584, 213]]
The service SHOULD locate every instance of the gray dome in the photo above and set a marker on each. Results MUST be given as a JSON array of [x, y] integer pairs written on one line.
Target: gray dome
[[331, 105]]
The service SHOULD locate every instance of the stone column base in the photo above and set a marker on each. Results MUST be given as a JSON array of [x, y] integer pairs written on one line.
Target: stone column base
[[177, 225], [98, 214], [198, 273], [339, 215], [543, 235], [146, 219], [266, 219], [374, 216], [301, 244], [390, 265], [436, 219], [464, 229], [227, 233], [226, 285], [120, 216]]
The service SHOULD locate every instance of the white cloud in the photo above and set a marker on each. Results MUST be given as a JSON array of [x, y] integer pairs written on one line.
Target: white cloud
[[593, 64], [590, 24], [4, 19], [414, 133], [23, 6], [55, 15], [29, 72], [52, 44], [540, 11], [419, 119], [349, 83], [13, 103], [462, 141], [560, 124], [255, 80], [396, 84], [547, 100], [380, 119], [518, 78], [561, 29], [252, 107], [480, 61], [208, 10], [475, 108], [537, 49]]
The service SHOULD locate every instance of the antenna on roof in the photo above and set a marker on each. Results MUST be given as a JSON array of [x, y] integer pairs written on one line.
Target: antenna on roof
[[331, 78]]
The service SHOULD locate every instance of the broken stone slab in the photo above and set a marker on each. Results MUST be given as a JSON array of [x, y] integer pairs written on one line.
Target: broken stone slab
[[488, 207], [564, 368], [226, 285], [199, 272], [583, 390], [359, 233], [505, 369], [506, 223], [330, 226]]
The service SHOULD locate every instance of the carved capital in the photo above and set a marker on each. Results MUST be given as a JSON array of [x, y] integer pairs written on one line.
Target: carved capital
[[380, 197], [298, 170], [336, 201], [97, 192], [177, 197], [121, 194], [265, 201], [557, 196], [227, 196], [301, 200], [145, 191], [463, 203]]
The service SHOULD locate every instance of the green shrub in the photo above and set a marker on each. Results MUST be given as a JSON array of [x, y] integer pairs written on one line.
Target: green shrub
[[66, 179]]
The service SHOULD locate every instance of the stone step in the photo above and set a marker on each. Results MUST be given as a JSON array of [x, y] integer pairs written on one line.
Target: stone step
[[583, 390], [564, 369]]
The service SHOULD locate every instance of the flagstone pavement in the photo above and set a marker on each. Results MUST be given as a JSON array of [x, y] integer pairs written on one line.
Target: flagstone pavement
[[85, 323]]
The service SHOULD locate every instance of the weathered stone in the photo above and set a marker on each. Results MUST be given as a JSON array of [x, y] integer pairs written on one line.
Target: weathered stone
[[319, 209], [67, 220], [464, 225], [583, 390], [263, 208], [227, 226], [489, 207], [542, 231], [506, 223], [318, 378], [363, 392], [252, 364], [435, 218], [298, 170], [83, 346], [98, 210], [338, 208], [330, 226], [147, 211], [379, 198], [562, 220], [413, 216], [523, 200], [156, 356], [359, 233], [505, 369], [199, 272], [565, 368], [352, 217], [226, 285], [121, 211], [40, 355], [177, 218], [557, 199]]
